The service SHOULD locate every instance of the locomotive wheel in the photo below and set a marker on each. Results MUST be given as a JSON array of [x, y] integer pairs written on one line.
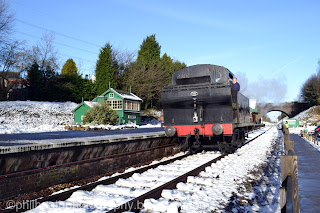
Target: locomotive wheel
[[235, 139], [190, 145], [185, 144], [223, 146], [195, 149]]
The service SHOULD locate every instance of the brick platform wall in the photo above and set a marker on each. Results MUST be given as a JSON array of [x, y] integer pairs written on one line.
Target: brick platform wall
[[82, 162]]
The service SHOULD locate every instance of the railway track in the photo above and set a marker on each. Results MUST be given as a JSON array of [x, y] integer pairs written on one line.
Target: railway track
[[127, 191]]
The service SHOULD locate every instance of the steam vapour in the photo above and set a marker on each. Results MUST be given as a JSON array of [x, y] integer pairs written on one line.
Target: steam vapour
[[264, 90]]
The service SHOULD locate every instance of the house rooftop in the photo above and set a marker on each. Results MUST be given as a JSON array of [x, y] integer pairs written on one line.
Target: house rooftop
[[125, 95], [88, 103], [92, 104]]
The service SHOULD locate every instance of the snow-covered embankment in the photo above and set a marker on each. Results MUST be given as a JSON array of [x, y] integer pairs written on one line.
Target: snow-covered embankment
[[34, 116]]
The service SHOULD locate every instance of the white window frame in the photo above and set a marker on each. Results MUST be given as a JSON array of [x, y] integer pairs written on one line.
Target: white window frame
[[115, 104], [132, 105]]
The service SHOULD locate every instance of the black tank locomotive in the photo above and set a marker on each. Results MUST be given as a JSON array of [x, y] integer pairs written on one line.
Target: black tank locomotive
[[200, 107]]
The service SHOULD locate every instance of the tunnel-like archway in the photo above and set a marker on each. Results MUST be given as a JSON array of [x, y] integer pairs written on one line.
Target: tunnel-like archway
[[274, 115], [291, 109], [275, 111]]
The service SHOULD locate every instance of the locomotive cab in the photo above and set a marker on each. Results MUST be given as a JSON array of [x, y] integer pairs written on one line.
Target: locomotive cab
[[200, 105]]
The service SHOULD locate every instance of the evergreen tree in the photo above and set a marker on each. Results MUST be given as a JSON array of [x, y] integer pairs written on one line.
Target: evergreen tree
[[167, 67], [149, 73], [71, 83], [69, 68], [88, 89], [144, 74], [310, 90], [101, 115], [36, 82], [149, 53], [105, 70], [48, 73]]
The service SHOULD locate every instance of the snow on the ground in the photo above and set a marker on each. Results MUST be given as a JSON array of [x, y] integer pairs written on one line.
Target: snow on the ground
[[55, 143], [297, 130], [312, 141], [304, 114], [151, 124], [34, 116], [309, 116], [106, 197], [223, 186], [247, 181]]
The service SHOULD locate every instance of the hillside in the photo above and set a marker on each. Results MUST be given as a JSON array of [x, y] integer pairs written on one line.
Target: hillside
[[310, 116], [33, 116]]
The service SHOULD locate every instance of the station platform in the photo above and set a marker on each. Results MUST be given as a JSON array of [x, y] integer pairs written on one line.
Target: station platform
[[12, 143], [33, 162], [308, 174]]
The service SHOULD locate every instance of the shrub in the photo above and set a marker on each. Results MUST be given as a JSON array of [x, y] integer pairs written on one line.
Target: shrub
[[101, 114]]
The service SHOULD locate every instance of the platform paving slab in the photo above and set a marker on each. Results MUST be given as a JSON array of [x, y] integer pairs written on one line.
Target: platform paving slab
[[308, 174]]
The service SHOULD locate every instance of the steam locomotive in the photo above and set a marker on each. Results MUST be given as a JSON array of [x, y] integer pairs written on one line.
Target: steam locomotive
[[201, 108]]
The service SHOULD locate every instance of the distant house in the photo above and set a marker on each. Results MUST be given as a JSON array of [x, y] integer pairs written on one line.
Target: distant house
[[12, 80], [126, 105], [255, 116], [13, 86], [90, 77]]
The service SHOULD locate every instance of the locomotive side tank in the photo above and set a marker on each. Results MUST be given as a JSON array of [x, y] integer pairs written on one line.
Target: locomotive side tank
[[201, 106]]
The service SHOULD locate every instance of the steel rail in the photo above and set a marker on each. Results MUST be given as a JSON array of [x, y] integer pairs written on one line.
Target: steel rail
[[135, 204], [66, 194]]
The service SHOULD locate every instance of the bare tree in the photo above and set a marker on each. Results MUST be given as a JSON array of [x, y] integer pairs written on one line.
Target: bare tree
[[42, 68], [44, 53], [124, 57], [6, 21], [12, 64], [121, 61], [12, 53]]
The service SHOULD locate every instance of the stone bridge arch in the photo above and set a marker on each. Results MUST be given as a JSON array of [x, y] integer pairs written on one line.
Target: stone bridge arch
[[291, 109], [277, 110]]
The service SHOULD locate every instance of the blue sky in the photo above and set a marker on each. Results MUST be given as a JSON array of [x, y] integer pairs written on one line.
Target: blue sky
[[272, 46]]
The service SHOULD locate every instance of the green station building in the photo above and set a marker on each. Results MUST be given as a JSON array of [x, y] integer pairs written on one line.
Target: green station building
[[126, 105], [292, 122]]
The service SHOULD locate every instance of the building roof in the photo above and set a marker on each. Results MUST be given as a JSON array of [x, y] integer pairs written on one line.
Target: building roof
[[10, 75], [88, 103], [290, 119], [254, 110], [92, 104], [124, 95]]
